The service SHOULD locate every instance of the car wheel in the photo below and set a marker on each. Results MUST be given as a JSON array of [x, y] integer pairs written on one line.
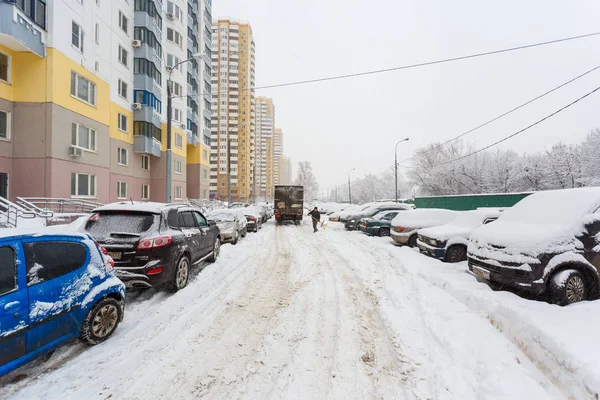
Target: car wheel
[[244, 232], [456, 254], [101, 321], [216, 250], [412, 241], [567, 287], [235, 238], [384, 231], [182, 274]]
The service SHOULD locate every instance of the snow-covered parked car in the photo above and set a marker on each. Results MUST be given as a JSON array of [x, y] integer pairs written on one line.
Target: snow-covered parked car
[[339, 216], [548, 243], [449, 242], [353, 220], [232, 224], [54, 288], [406, 224], [379, 224], [154, 244], [254, 218]]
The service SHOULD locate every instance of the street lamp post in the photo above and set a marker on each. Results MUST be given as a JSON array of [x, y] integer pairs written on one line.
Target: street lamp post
[[349, 189], [396, 165], [169, 136]]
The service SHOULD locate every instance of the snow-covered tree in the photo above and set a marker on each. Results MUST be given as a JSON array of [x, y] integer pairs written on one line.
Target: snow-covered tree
[[307, 179]]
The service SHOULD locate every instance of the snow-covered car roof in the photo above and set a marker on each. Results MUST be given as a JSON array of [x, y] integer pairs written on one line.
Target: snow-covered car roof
[[461, 226], [142, 206], [424, 217], [252, 211], [544, 222], [56, 230]]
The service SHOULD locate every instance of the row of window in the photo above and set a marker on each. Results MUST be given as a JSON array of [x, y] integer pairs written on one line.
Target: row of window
[[84, 185]]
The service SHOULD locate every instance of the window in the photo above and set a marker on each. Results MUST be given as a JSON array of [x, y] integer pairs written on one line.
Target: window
[[123, 56], [187, 219], [5, 61], [177, 89], [145, 163], [122, 123], [83, 137], [121, 190], [46, 260], [83, 89], [83, 185], [146, 67], [76, 36], [121, 156], [172, 61], [174, 10], [178, 140], [122, 89], [204, 174], [123, 22], [178, 166], [204, 155], [4, 125], [145, 192], [8, 270], [177, 114], [97, 34], [178, 192], [174, 36], [200, 220]]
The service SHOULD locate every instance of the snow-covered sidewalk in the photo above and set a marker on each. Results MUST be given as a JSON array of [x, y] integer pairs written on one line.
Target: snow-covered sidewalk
[[334, 315]]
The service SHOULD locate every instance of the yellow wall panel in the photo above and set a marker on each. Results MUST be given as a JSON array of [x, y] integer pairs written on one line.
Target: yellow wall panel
[[174, 131], [115, 132]]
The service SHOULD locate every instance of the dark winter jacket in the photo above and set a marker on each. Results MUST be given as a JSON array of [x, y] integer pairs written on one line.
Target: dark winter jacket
[[315, 214]]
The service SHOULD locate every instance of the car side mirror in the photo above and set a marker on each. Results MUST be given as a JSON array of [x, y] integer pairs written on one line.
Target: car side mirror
[[212, 223]]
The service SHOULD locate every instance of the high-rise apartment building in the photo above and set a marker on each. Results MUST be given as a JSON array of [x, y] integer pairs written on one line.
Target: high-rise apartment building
[[233, 119], [83, 97], [277, 156], [286, 171], [263, 169]]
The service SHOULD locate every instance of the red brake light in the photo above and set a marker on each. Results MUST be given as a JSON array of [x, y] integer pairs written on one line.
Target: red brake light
[[399, 228], [94, 218], [252, 219], [102, 249], [277, 215], [155, 271], [152, 243]]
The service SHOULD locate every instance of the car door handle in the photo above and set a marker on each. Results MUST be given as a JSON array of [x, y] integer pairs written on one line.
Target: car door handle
[[12, 306], [203, 232]]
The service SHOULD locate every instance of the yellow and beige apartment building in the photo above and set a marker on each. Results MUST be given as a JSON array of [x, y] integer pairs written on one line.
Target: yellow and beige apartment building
[[264, 167], [83, 98], [233, 119], [277, 157]]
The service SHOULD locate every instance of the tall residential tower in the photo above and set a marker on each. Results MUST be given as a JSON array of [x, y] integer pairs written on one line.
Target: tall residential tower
[[263, 170], [233, 119]]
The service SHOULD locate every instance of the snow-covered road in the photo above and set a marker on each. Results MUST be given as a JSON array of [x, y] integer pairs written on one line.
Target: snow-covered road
[[288, 314]]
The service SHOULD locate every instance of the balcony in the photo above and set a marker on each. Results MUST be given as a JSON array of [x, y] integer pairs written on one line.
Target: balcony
[[192, 140], [20, 32], [146, 145]]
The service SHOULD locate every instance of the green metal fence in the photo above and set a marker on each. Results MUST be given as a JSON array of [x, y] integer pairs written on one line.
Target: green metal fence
[[470, 202]]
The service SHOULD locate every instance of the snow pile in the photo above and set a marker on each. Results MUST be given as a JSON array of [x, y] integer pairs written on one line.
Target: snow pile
[[461, 226], [543, 223], [424, 218]]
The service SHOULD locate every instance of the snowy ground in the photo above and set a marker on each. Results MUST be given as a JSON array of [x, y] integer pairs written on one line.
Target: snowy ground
[[288, 314]]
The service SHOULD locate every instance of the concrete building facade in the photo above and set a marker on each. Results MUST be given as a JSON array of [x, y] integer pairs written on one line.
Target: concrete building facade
[[83, 96]]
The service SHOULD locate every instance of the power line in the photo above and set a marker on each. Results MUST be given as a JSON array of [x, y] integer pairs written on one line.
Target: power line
[[504, 114], [411, 66], [518, 132]]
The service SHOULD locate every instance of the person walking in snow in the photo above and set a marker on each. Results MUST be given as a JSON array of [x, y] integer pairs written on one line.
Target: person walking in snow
[[316, 217]]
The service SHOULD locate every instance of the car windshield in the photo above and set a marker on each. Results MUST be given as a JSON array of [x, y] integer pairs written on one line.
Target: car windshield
[[104, 223], [470, 219], [381, 215], [222, 217]]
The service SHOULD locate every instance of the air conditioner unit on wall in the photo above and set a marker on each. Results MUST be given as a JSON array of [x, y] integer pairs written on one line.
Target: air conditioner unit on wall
[[137, 43], [137, 106], [75, 151], [170, 16]]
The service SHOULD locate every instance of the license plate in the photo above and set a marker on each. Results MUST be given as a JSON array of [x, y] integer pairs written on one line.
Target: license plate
[[482, 273], [116, 255]]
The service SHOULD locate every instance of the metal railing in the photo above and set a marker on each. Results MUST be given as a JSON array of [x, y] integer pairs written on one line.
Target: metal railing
[[11, 212], [59, 205]]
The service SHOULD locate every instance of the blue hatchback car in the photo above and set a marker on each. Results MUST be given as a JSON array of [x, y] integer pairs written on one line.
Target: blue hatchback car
[[54, 287]]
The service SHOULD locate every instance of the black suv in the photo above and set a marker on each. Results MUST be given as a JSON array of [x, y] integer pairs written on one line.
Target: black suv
[[548, 243], [154, 244]]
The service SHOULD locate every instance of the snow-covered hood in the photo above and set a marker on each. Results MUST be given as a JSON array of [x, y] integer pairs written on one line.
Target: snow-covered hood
[[226, 227], [447, 232], [516, 242]]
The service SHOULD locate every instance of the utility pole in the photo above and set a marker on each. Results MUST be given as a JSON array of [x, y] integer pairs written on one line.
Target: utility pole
[[396, 165], [349, 188]]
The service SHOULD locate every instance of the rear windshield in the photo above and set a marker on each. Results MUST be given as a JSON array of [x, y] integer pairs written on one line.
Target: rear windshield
[[120, 222], [222, 217]]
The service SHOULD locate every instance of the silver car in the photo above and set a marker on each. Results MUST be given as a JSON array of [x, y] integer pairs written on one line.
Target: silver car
[[232, 224]]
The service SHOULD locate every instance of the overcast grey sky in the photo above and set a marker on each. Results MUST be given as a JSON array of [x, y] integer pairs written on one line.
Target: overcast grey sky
[[355, 122]]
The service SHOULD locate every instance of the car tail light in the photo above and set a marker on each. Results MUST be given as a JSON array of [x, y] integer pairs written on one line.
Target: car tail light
[[277, 216], [94, 218], [109, 263], [155, 271], [102, 249], [152, 243], [252, 219], [399, 229]]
